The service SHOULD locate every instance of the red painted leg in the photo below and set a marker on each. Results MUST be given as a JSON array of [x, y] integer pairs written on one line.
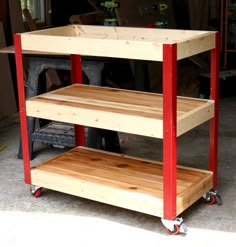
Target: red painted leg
[[22, 108], [214, 122], [76, 77], [169, 129]]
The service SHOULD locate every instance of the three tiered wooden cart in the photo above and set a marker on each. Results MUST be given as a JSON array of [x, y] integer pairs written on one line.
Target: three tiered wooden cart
[[160, 189]]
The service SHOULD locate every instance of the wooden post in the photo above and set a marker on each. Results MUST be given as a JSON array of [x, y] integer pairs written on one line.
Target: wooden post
[[169, 129], [76, 77], [213, 159], [22, 108]]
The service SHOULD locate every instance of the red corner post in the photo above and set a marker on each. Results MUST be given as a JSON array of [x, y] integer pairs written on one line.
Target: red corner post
[[76, 77], [22, 107], [169, 129], [213, 159]]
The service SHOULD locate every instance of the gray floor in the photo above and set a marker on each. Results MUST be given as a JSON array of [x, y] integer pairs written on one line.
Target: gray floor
[[58, 219]]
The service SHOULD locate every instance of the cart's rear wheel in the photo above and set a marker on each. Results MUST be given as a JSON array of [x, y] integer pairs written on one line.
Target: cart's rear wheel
[[210, 200]]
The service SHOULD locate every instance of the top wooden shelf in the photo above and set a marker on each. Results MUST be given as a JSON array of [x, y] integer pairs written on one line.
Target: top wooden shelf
[[118, 42]]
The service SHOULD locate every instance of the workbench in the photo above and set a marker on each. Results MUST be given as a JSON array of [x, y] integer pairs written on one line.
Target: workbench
[[55, 133]]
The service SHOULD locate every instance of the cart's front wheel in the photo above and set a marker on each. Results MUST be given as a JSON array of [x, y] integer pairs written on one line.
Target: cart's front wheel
[[175, 231], [175, 226], [36, 191]]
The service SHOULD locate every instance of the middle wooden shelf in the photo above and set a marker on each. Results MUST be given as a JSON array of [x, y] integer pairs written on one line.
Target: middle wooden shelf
[[117, 109]]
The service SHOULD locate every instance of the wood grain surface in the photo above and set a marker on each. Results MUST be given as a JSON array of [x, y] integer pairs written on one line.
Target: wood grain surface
[[119, 180], [117, 109], [118, 42]]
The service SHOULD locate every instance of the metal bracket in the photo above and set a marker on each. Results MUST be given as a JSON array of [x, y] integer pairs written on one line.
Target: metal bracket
[[34, 188], [170, 224]]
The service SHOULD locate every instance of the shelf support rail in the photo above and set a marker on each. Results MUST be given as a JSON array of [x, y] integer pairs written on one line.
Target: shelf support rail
[[22, 108], [169, 130], [214, 94]]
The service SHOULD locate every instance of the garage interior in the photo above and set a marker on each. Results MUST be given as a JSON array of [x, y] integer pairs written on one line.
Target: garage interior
[[58, 218]]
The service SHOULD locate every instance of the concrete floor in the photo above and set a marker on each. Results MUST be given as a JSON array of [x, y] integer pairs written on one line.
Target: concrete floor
[[58, 219]]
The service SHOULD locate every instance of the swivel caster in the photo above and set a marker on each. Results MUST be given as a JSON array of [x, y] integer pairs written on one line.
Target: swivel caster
[[175, 226], [212, 197], [36, 191]]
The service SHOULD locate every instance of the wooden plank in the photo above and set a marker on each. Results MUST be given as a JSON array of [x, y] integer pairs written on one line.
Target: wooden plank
[[103, 48], [141, 172], [139, 99], [95, 191], [194, 118], [116, 109], [56, 31], [196, 46], [11, 50], [119, 180], [97, 119], [7, 96], [121, 42], [104, 175], [191, 195], [8, 49], [163, 36]]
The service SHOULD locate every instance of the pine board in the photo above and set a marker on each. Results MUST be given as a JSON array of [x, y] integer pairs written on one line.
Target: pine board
[[118, 42], [119, 180], [117, 109]]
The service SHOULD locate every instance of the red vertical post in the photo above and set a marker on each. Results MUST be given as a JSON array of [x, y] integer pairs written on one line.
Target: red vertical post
[[169, 129], [76, 77], [213, 159], [22, 108]]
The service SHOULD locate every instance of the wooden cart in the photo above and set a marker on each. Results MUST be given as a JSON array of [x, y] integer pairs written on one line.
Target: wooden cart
[[161, 189]]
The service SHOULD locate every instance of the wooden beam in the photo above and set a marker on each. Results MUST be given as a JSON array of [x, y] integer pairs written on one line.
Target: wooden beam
[[141, 113], [119, 180], [121, 42]]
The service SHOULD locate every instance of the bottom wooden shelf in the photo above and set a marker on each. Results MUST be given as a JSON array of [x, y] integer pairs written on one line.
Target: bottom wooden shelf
[[119, 180]]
